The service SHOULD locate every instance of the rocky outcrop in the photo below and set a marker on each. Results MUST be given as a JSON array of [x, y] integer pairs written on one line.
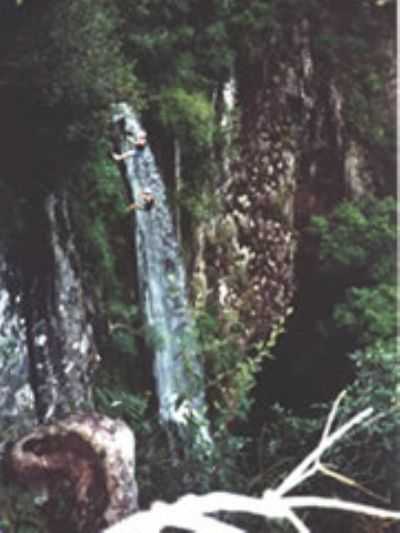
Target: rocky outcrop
[[17, 410], [250, 248], [60, 338], [84, 463], [297, 154]]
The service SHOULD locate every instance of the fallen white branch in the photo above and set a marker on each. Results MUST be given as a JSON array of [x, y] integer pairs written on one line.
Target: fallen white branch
[[189, 512]]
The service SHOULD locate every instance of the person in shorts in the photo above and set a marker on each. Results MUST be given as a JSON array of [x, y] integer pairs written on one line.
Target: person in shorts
[[139, 145], [148, 201]]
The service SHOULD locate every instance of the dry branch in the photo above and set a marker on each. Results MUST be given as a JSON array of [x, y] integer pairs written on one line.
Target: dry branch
[[189, 512]]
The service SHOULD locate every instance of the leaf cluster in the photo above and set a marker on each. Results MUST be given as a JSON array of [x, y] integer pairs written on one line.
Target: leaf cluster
[[66, 61], [19, 511], [117, 403], [358, 252], [99, 212], [178, 43], [359, 237], [189, 115]]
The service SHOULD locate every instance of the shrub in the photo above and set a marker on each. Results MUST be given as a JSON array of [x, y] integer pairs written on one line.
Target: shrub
[[357, 246]]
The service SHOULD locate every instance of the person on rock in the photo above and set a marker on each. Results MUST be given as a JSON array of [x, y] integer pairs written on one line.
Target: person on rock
[[148, 201], [139, 145]]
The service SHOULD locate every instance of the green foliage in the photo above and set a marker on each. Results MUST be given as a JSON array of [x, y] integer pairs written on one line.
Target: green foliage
[[117, 403], [123, 341], [249, 25], [368, 313], [71, 62], [358, 253], [103, 230], [240, 464], [368, 455], [124, 329], [164, 469], [99, 211], [189, 115], [64, 67], [373, 460], [8, 348], [359, 238], [231, 366], [201, 205], [182, 55], [176, 43], [378, 376], [229, 374], [19, 511], [355, 42]]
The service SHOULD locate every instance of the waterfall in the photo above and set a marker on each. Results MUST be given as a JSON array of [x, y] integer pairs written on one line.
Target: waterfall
[[162, 290]]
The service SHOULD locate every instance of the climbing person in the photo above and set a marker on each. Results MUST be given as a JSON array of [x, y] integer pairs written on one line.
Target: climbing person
[[140, 143], [148, 201]]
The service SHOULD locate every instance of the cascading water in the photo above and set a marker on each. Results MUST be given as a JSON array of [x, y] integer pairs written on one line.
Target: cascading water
[[177, 369]]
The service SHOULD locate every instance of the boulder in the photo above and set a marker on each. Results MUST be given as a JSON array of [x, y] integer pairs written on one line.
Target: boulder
[[85, 466]]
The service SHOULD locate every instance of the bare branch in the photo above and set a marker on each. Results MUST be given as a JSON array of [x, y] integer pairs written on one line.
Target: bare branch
[[351, 482], [332, 415], [300, 472], [188, 512], [296, 522]]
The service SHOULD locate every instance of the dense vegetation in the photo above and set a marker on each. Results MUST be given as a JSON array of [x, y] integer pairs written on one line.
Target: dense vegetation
[[64, 62]]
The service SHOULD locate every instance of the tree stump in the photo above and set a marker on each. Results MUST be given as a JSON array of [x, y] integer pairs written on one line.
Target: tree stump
[[85, 463]]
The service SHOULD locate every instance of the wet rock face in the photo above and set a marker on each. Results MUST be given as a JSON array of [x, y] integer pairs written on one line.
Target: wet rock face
[[85, 463], [62, 350], [16, 397]]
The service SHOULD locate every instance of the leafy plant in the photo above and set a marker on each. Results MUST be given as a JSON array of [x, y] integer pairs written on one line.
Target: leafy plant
[[368, 313], [359, 237], [188, 114], [117, 403], [71, 60], [357, 253], [19, 511]]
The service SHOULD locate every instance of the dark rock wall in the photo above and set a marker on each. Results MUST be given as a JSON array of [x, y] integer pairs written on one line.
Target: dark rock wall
[[16, 396], [253, 243], [295, 154], [61, 345]]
